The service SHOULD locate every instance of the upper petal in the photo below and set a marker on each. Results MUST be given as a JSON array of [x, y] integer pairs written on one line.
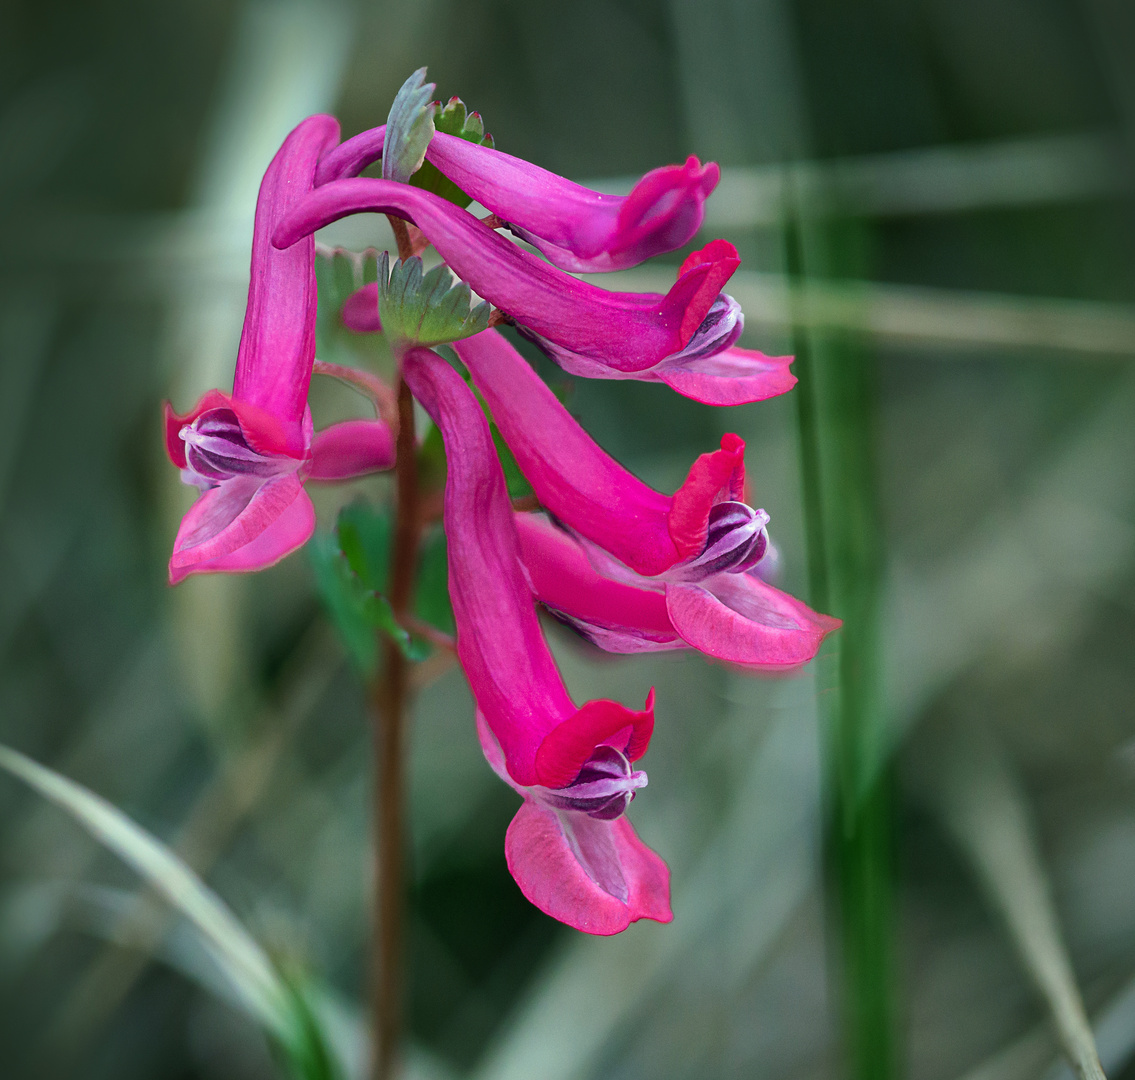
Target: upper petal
[[240, 526], [566, 748], [596, 876], [350, 157], [578, 229], [718, 476], [262, 430], [277, 344], [739, 618], [629, 331], [571, 475], [508, 665]]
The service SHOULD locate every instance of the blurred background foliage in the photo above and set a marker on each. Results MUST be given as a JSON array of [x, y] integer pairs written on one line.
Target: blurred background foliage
[[938, 193]]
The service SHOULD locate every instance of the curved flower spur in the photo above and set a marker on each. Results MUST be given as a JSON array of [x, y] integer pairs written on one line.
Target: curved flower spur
[[580, 230], [570, 849], [685, 338], [249, 451], [642, 570]]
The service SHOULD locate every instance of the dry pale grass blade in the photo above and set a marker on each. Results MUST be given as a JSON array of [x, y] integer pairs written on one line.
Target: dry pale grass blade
[[983, 806], [930, 317], [1069, 536], [928, 180]]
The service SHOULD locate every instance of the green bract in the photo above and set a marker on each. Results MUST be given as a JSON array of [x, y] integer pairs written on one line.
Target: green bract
[[409, 128], [452, 120], [425, 309]]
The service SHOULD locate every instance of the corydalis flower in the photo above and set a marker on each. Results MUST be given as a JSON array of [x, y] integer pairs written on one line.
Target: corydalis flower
[[569, 847], [644, 570], [249, 452], [684, 338], [578, 229]]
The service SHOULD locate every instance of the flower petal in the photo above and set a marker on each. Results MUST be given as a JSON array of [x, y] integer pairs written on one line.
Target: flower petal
[[616, 616], [571, 475], [277, 344], [741, 619], [351, 448], [510, 670], [241, 526], [578, 229], [628, 331], [360, 310], [718, 476], [596, 876], [351, 156], [262, 431], [732, 377], [566, 748]]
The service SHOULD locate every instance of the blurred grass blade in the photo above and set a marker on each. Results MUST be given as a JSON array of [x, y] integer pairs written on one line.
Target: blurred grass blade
[[230, 944], [985, 809], [836, 416]]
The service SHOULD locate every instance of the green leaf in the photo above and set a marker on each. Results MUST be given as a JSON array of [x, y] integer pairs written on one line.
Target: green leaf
[[452, 120], [345, 600], [365, 538], [431, 597], [426, 309], [351, 569], [231, 946], [409, 128], [308, 1052]]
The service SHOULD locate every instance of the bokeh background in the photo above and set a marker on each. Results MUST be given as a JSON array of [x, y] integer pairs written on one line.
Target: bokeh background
[[938, 193]]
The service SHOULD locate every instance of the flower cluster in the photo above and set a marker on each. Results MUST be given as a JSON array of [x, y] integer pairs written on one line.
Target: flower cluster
[[631, 568]]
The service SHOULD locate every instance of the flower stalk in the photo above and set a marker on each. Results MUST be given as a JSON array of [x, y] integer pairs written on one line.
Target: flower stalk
[[390, 699]]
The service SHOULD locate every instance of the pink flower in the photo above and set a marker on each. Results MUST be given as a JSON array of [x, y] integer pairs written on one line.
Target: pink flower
[[577, 229], [646, 570], [569, 848], [684, 338], [248, 452]]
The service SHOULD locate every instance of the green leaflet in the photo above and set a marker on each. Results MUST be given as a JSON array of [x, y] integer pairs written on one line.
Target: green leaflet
[[426, 309], [452, 120], [409, 128], [351, 567]]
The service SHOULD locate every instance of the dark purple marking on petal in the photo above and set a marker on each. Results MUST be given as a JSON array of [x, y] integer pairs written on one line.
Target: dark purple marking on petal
[[720, 329], [736, 541], [603, 789], [216, 450]]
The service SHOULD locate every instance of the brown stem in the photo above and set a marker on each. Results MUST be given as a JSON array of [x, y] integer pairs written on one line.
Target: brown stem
[[389, 700], [401, 237]]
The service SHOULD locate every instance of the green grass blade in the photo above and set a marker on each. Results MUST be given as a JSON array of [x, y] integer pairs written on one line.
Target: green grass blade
[[236, 952]]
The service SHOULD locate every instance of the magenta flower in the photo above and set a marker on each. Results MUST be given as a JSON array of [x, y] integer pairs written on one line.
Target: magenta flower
[[649, 570], [569, 847], [578, 229], [684, 338], [250, 451]]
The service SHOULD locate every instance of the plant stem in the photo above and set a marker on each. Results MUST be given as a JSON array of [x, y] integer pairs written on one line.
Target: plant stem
[[835, 403], [389, 699]]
